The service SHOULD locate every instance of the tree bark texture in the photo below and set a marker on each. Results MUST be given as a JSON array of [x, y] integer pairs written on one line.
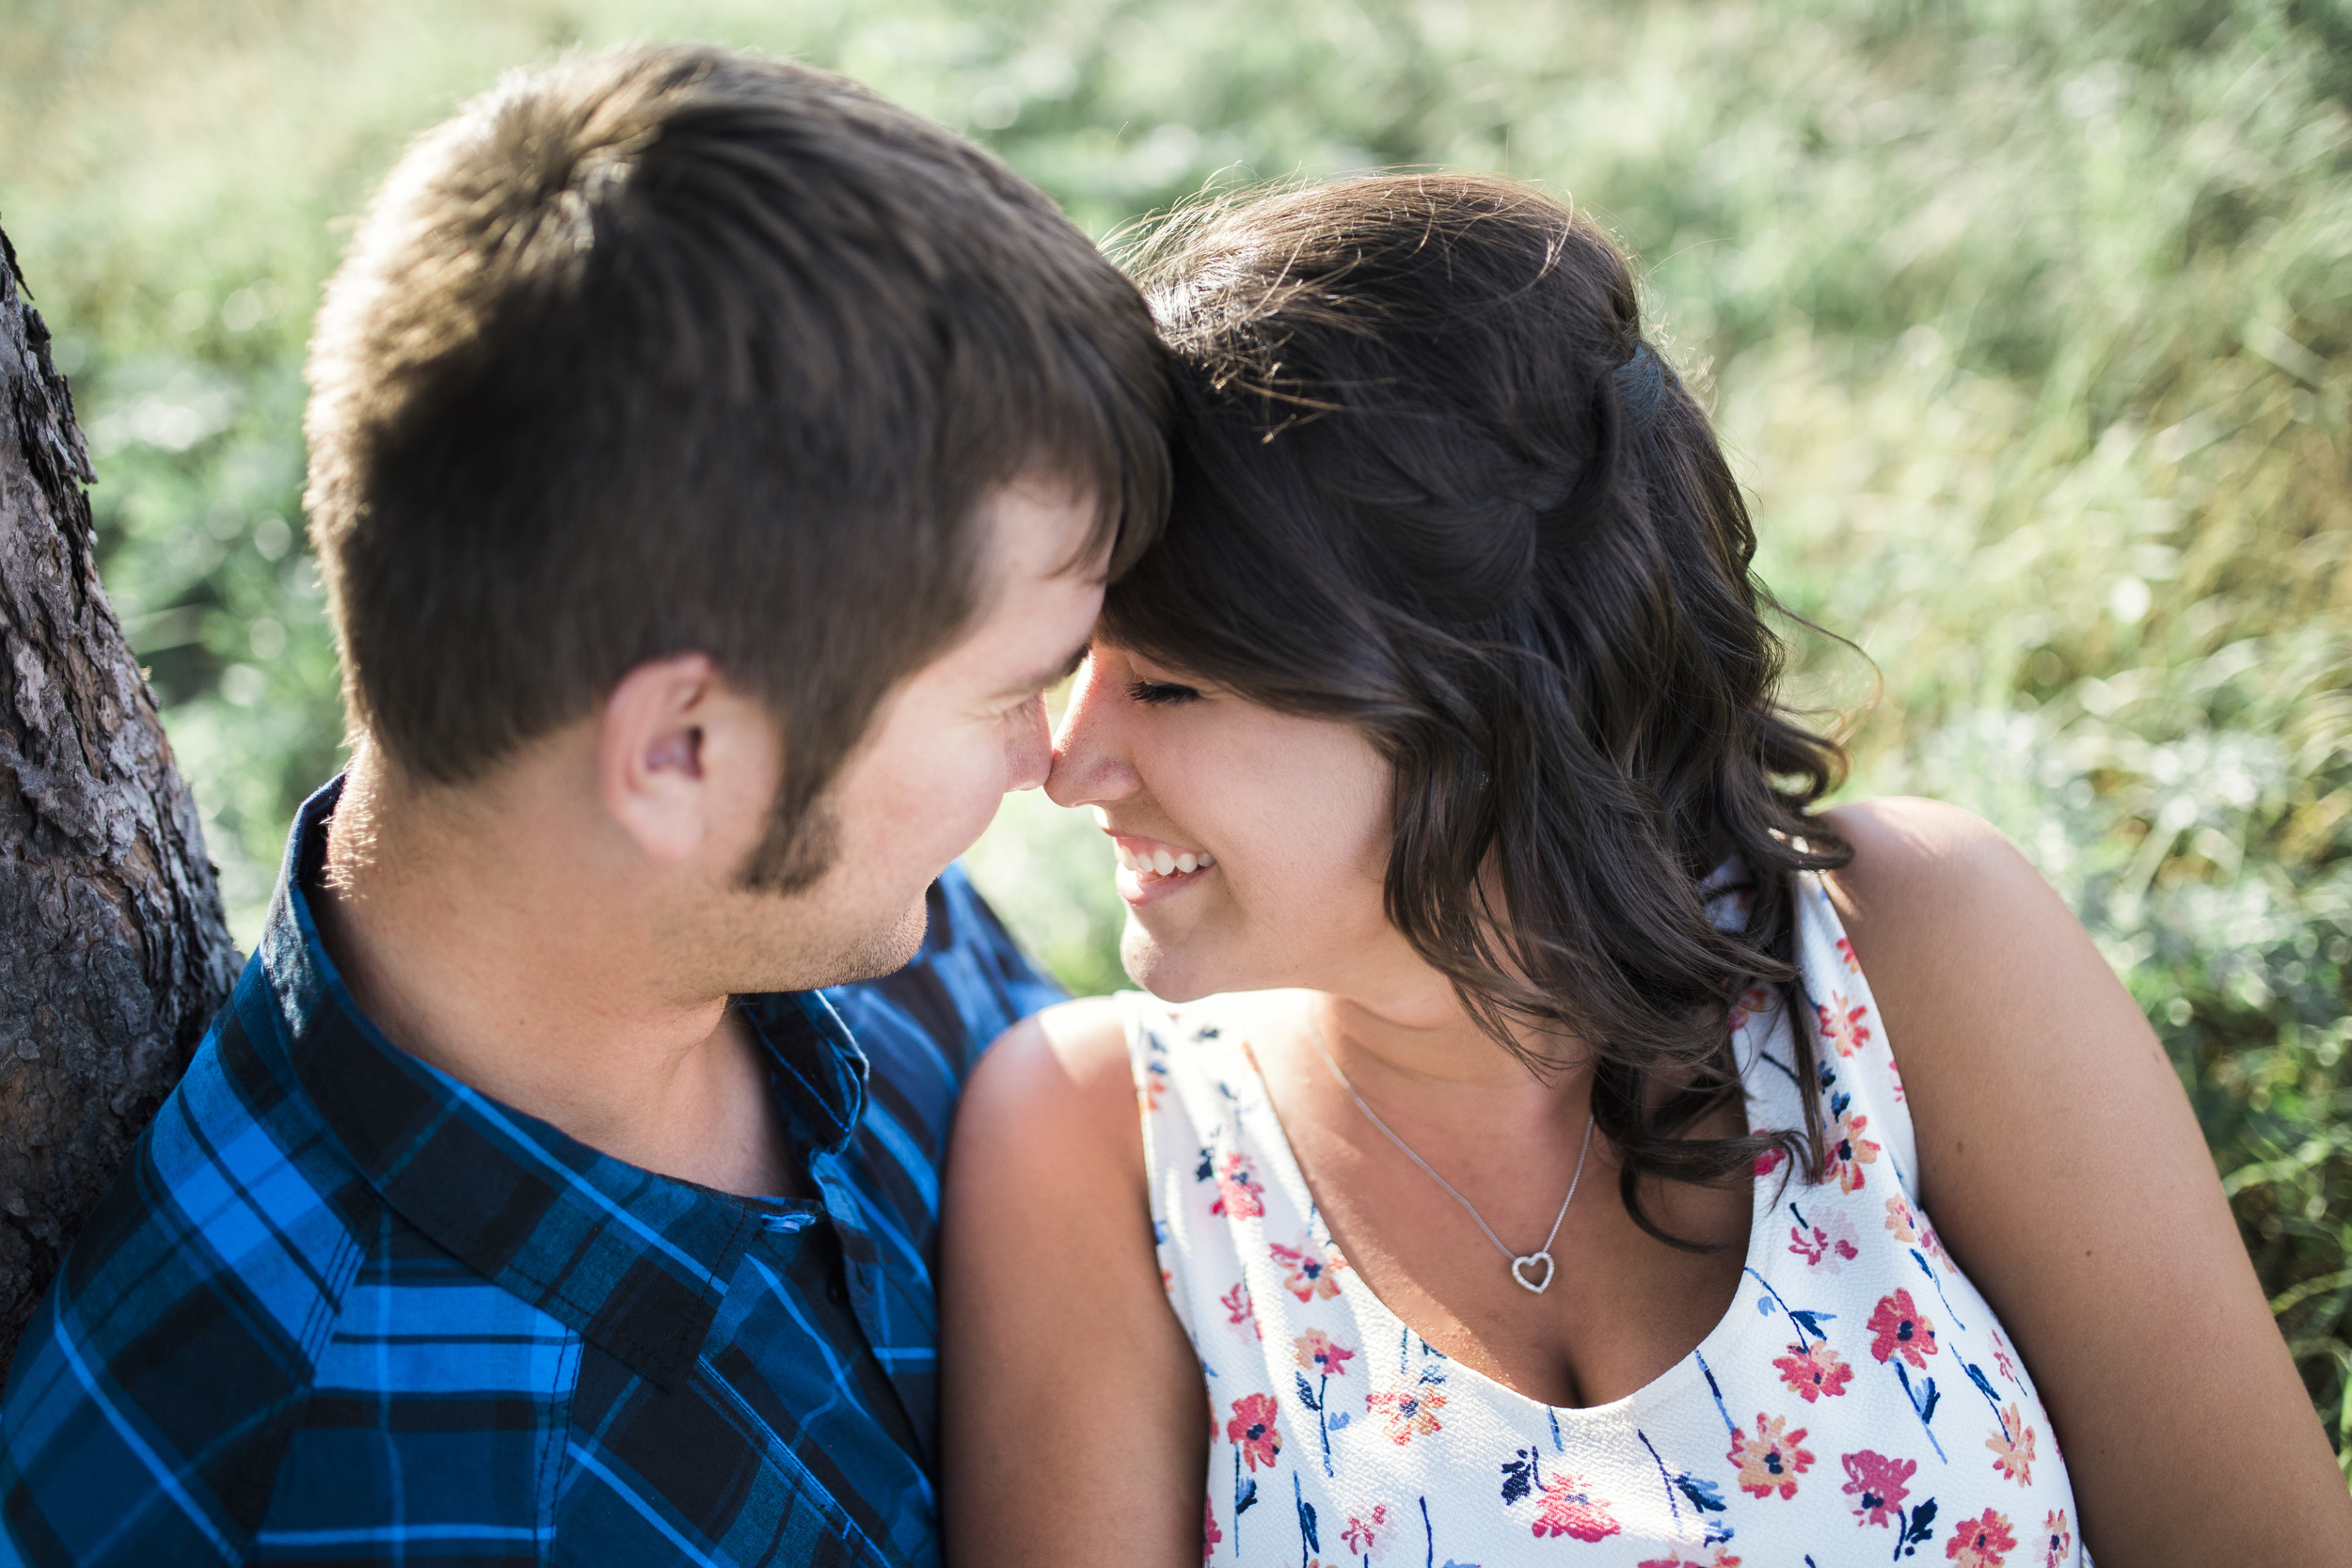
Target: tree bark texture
[[114, 953]]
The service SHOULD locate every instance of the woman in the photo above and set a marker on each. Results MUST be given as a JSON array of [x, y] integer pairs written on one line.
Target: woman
[[1524, 1170]]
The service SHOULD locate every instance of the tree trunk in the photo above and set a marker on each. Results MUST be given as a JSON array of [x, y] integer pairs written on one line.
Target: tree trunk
[[114, 954]]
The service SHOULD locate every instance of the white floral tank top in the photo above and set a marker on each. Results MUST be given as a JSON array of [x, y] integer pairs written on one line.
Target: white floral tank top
[[1858, 1403]]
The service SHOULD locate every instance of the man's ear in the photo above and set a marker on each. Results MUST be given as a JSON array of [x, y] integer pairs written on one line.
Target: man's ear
[[654, 752]]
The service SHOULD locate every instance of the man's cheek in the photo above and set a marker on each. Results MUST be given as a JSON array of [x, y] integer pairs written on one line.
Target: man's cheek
[[934, 811]]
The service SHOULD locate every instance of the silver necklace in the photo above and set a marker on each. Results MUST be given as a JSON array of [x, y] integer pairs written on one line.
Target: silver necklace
[[1521, 1262]]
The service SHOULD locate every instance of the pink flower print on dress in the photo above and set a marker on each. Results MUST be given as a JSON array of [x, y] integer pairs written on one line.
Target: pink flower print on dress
[[1842, 1026], [1769, 1160], [1899, 1328], [1310, 1272], [1239, 1309], [2062, 1539], [1718, 1556], [1828, 1244], [1210, 1534], [2001, 1363], [1752, 1001], [1369, 1534], [1814, 1373], [1845, 951], [1849, 1150], [1317, 1353], [1239, 1193], [2012, 1446], [1411, 1412], [1879, 1486], [1773, 1459], [1568, 1507], [1984, 1542], [1253, 1429], [1912, 1229]]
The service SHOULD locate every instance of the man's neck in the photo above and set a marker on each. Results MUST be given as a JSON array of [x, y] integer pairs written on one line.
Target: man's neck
[[482, 931]]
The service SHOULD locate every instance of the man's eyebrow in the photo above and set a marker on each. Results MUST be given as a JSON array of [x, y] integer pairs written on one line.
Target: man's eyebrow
[[1047, 680]]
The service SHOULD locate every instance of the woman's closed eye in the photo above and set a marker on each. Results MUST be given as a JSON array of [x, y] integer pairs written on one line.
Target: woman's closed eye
[[1158, 692]]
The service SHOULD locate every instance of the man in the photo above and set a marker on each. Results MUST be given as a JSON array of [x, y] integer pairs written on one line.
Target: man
[[712, 466]]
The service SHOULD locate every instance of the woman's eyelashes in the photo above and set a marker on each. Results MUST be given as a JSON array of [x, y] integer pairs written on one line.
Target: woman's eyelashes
[[1157, 692]]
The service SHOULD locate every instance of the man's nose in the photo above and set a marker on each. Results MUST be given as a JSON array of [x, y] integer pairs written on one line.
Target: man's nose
[[1091, 764], [1032, 749]]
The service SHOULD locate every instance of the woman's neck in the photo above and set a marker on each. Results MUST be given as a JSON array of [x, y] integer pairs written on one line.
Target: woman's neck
[[1433, 1060]]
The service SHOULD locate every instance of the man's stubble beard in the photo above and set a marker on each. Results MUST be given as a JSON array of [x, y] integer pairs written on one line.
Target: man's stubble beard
[[798, 863], [794, 850]]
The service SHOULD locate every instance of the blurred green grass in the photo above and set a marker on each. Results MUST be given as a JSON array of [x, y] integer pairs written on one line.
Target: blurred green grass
[[2026, 325]]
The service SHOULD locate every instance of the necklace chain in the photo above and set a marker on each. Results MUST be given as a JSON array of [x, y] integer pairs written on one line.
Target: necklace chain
[[1518, 1260]]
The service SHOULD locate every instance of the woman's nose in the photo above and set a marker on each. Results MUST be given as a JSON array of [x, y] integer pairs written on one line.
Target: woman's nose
[[1090, 763]]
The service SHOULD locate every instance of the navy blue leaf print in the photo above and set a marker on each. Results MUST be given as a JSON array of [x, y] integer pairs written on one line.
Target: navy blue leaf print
[[1307, 1392], [1519, 1476], [1705, 1495], [1306, 1520], [1917, 1529]]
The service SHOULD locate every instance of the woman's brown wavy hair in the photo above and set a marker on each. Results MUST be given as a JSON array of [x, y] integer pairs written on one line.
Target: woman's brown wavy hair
[[1430, 481]]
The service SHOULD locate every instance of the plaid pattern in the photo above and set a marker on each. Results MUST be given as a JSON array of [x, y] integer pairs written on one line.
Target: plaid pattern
[[341, 1308]]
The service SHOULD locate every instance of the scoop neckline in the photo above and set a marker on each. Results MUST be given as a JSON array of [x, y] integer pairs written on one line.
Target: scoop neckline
[[1713, 1347]]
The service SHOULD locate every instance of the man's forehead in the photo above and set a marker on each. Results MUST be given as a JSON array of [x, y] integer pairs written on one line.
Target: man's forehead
[[1042, 525], [1032, 631]]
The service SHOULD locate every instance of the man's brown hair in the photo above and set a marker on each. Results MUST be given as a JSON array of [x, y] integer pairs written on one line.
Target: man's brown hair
[[678, 349]]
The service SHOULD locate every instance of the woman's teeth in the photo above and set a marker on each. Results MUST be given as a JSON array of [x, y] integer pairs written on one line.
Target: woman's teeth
[[1162, 862]]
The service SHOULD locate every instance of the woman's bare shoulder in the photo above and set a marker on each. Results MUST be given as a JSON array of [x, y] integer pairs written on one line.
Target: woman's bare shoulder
[[1909, 851], [1061, 1074], [1938, 902], [1051, 1314]]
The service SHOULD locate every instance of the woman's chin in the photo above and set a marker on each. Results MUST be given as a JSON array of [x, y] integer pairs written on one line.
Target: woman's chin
[[1166, 968]]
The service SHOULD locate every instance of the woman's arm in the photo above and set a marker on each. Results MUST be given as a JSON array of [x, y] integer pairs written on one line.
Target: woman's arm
[[2066, 1173], [1075, 1427]]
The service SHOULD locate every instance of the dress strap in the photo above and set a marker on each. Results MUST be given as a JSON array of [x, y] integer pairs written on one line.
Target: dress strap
[[1863, 1108]]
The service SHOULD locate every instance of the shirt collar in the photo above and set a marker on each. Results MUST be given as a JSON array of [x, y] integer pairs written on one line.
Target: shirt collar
[[634, 1262]]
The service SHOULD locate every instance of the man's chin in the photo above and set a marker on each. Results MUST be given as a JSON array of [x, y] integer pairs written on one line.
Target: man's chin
[[889, 953], [763, 959]]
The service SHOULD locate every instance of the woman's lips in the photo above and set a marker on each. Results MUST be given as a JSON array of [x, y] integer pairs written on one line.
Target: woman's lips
[[1151, 857], [1150, 869]]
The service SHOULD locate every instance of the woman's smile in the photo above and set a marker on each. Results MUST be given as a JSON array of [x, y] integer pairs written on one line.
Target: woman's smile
[[1150, 869]]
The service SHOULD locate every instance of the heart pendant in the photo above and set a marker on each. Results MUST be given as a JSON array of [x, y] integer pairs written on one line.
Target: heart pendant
[[1541, 1282]]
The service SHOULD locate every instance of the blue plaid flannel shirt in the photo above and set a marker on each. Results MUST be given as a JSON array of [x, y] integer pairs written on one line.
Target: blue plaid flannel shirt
[[341, 1308]]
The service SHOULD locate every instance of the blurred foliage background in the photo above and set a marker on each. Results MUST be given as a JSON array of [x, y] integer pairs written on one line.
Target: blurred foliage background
[[2027, 324]]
